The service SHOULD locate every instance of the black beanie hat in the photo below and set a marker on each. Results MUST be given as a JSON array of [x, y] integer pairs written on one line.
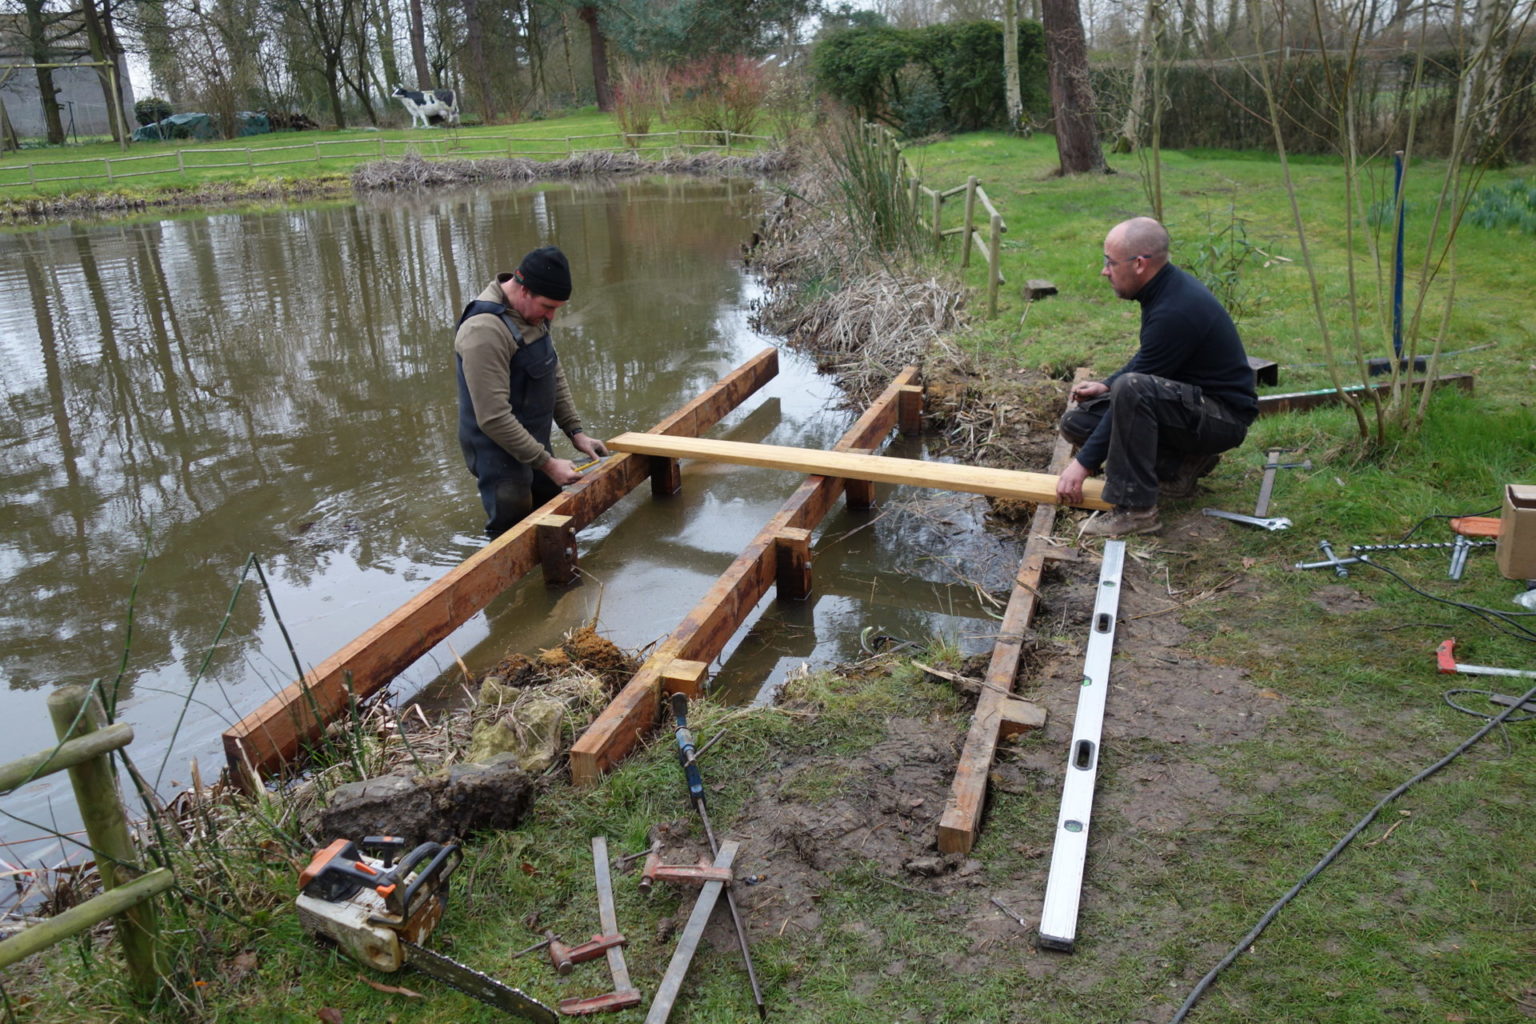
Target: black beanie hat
[[546, 272]]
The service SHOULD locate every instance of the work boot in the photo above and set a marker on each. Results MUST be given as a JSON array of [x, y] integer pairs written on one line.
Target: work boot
[[1123, 522], [1183, 483]]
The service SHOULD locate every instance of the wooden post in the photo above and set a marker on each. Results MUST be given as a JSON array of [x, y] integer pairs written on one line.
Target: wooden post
[[938, 218], [792, 561], [909, 409], [101, 810], [861, 493], [995, 264], [970, 214], [557, 549], [666, 476]]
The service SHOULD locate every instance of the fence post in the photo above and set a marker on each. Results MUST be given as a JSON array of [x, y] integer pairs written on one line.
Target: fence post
[[970, 213], [249, 164], [108, 162], [938, 217], [106, 825], [181, 162], [995, 264]]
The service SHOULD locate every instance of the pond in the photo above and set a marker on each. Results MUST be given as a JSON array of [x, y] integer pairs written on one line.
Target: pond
[[185, 394]]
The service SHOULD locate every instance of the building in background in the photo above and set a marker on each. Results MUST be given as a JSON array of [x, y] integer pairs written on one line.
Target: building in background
[[81, 97]]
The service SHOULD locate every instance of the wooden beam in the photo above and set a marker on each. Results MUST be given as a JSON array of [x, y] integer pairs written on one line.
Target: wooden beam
[[556, 539], [1293, 401], [1000, 483], [860, 494], [709, 626], [686, 677], [999, 714], [272, 735], [792, 564]]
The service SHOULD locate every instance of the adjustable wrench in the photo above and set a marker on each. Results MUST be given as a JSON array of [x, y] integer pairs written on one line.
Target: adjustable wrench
[[1272, 523]]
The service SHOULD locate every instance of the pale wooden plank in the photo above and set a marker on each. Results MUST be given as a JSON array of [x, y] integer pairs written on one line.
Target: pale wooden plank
[[999, 483]]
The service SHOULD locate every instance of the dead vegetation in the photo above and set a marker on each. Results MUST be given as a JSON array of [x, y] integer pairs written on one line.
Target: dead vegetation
[[413, 172]]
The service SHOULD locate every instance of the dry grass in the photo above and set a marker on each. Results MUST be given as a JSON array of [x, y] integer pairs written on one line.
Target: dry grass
[[414, 172]]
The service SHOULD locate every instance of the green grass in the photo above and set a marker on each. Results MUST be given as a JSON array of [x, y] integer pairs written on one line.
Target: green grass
[[151, 167]]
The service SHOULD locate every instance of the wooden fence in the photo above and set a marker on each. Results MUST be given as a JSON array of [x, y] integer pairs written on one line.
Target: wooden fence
[[440, 146], [991, 245], [83, 750]]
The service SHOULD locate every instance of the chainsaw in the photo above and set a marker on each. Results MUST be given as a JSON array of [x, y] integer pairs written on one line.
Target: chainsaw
[[379, 911]]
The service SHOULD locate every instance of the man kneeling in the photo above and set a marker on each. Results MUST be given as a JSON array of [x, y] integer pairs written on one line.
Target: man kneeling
[[1158, 423]]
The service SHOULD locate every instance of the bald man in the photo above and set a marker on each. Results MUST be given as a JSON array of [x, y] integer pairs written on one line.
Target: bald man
[[1160, 422]]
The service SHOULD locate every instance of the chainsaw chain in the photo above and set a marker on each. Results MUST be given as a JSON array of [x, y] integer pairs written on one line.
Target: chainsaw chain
[[477, 985]]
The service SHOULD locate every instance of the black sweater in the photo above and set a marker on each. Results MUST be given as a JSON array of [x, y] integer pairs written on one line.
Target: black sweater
[[1186, 336]]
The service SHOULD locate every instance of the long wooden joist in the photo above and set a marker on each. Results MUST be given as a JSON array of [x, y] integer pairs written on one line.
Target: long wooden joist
[[999, 714], [998, 483], [272, 735], [679, 661]]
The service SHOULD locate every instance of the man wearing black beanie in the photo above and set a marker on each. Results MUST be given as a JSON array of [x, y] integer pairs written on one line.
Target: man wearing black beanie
[[512, 390]]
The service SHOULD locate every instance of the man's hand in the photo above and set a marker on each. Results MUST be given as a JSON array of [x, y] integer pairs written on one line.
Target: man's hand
[[1088, 389], [590, 446], [561, 471], [1069, 486]]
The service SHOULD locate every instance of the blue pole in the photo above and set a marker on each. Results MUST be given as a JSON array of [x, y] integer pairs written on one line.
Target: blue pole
[[1397, 262]]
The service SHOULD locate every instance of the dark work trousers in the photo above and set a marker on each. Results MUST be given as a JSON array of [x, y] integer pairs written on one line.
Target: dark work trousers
[[1154, 423]]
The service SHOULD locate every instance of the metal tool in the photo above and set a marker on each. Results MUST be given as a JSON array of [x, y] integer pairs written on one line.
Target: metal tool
[[1338, 563], [1272, 523], [689, 760], [1445, 655], [564, 958], [1459, 550], [1064, 883], [1267, 485], [1330, 563], [379, 912], [688, 942], [624, 994], [685, 874], [1357, 548]]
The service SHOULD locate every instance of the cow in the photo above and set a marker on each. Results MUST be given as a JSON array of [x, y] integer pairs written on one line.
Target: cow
[[438, 106]]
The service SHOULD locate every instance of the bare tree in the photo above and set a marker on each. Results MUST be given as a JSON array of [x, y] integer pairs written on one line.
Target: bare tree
[[1072, 102], [419, 46], [600, 79], [1015, 98]]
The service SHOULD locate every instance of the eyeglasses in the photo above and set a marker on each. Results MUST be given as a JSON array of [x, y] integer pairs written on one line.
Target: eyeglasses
[[1115, 263]]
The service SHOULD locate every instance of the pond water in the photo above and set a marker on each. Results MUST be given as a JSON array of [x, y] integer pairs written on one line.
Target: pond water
[[184, 393]]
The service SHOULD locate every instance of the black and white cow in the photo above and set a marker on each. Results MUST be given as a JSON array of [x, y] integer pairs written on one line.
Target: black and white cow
[[439, 106]]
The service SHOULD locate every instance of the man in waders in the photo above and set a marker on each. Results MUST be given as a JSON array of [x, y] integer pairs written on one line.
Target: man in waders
[[1160, 422], [512, 390]]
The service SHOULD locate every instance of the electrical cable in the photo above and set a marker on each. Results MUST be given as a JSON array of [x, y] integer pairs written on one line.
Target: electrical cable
[[1328, 858]]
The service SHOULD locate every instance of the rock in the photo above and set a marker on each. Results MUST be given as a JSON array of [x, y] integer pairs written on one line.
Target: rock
[[531, 733], [438, 809], [391, 805]]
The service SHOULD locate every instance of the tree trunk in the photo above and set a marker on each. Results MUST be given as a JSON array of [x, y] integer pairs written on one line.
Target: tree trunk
[[478, 73], [42, 53], [1072, 102], [385, 29], [97, 41], [1480, 100], [600, 82], [1011, 66], [419, 46], [1133, 127]]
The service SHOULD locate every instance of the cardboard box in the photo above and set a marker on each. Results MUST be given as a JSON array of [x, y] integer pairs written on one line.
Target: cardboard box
[[1517, 532]]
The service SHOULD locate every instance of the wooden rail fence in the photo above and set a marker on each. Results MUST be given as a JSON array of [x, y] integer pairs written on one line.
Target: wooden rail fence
[[83, 750], [990, 245]]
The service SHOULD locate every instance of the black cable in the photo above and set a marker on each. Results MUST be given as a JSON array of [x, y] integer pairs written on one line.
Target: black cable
[[1502, 621], [1447, 516], [1328, 858]]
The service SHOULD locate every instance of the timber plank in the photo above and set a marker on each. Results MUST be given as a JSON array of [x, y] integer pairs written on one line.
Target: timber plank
[[998, 712], [710, 624], [1000, 483], [267, 738]]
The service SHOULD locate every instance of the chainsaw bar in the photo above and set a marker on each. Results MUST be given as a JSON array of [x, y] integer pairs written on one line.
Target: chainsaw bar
[[476, 985]]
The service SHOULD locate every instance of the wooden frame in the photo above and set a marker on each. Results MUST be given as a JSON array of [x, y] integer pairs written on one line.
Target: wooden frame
[[704, 631], [268, 738]]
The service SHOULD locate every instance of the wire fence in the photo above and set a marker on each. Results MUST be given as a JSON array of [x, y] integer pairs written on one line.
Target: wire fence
[[198, 158]]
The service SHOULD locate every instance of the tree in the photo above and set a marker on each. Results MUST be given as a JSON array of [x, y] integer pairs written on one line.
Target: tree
[[1072, 102], [599, 44], [1011, 65], [419, 46]]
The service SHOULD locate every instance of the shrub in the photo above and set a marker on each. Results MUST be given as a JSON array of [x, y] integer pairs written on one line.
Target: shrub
[[639, 97], [151, 109], [720, 94]]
